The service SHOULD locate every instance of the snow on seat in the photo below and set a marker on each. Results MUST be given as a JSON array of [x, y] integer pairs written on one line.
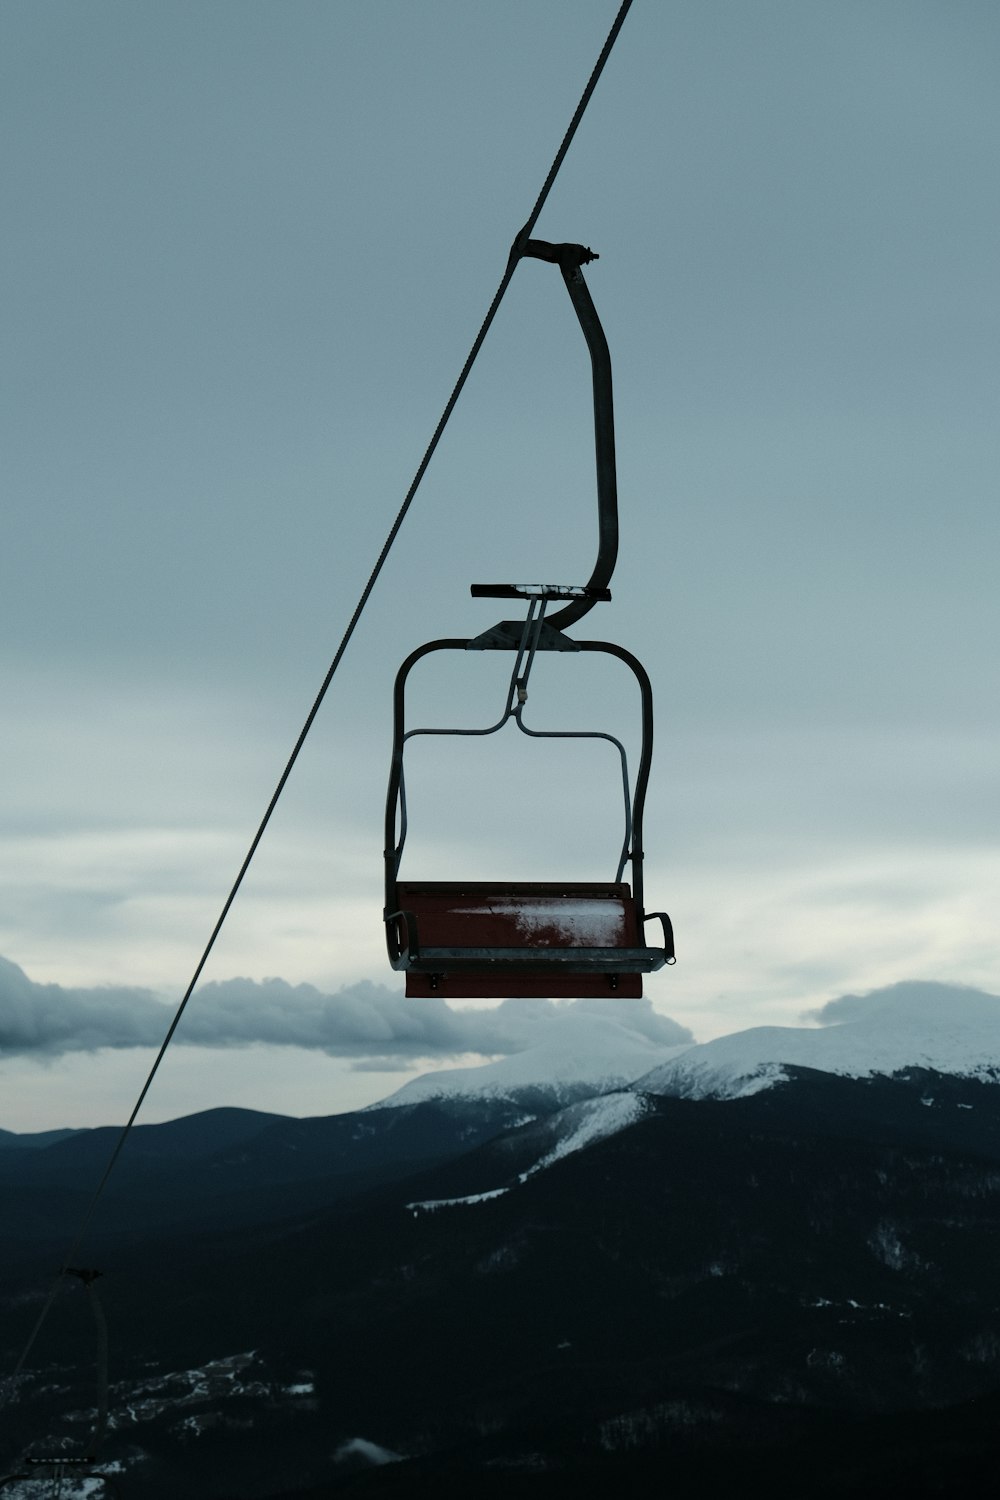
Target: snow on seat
[[486, 939]]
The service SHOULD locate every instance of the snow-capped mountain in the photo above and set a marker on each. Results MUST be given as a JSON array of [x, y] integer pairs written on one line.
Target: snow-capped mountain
[[939, 1027], [572, 1058]]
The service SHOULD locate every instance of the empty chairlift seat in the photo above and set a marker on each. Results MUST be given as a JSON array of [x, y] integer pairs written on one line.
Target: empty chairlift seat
[[537, 939], [567, 939]]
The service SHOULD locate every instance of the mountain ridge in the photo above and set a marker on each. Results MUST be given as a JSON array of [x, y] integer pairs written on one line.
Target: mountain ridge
[[914, 1024], [579, 1284]]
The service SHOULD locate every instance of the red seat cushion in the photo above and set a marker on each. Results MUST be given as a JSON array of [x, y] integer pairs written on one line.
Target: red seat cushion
[[546, 915]]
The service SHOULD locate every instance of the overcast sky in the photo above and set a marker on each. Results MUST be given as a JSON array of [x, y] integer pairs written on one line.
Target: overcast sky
[[246, 249]]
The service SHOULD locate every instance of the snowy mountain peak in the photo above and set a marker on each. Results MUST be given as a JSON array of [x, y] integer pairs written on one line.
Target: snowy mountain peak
[[579, 1054], [941, 1027], [570, 1058]]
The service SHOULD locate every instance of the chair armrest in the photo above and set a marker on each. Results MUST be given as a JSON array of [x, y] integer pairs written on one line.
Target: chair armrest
[[410, 946], [668, 933]]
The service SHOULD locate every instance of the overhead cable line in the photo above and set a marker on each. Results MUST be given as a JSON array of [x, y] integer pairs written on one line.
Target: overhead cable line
[[512, 261]]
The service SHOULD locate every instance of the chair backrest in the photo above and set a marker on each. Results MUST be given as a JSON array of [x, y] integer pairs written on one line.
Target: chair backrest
[[536, 914]]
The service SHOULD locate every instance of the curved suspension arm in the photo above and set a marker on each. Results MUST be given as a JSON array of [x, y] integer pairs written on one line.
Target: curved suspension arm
[[570, 260]]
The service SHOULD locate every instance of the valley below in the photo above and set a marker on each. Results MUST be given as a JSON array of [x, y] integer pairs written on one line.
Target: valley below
[[472, 1294]]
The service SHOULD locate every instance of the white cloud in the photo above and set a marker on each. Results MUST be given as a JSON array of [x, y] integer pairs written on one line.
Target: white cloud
[[919, 995], [366, 1023]]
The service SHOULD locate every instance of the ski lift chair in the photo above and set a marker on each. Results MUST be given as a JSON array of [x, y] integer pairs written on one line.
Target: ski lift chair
[[492, 939], [480, 939]]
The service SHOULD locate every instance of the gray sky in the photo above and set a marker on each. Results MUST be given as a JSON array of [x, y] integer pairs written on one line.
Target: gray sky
[[246, 248]]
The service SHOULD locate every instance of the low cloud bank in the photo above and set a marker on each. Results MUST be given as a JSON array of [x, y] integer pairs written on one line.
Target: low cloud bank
[[914, 995], [367, 1023], [47, 1020]]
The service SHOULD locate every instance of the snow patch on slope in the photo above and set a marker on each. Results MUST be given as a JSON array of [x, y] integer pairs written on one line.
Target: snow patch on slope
[[372, 1453], [910, 1025], [429, 1205], [590, 1122], [574, 1129]]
